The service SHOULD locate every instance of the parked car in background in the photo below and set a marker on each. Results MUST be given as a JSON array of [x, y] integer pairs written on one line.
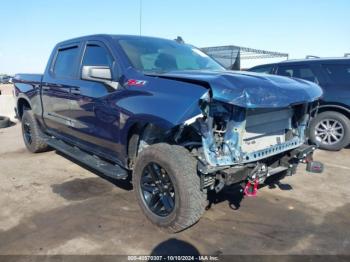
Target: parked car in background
[[5, 79], [330, 128]]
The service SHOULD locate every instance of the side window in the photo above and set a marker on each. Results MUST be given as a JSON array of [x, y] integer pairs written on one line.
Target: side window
[[286, 71], [96, 55], [65, 62], [262, 69], [338, 73], [303, 72], [307, 74]]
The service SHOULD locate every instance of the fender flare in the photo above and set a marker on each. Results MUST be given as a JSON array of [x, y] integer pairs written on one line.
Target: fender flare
[[139, 125], [18, 100]]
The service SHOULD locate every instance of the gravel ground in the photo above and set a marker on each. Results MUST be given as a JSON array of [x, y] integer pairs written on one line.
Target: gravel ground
[[7, 101], [51, 205]]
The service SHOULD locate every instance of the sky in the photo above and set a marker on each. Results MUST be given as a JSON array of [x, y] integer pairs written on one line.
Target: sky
[[31, 28]]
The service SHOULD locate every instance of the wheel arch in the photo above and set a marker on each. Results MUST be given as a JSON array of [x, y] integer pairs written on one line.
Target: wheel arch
[[336, 108], [22, 104], [149, 132]]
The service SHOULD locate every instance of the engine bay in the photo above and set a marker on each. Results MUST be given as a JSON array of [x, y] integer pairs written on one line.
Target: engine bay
[[234, 135]]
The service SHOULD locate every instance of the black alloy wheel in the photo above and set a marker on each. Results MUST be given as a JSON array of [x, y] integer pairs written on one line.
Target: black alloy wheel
[[168, 187], [157, 190]]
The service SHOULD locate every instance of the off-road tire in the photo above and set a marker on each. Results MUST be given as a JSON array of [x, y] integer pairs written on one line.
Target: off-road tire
[[37, 143], [4, 122], [345, 122], [181, 166]]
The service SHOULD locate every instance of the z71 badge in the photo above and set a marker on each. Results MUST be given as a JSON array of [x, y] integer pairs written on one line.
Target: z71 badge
[[135, 82]]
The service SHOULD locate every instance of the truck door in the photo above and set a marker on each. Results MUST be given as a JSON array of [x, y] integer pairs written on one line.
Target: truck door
[[57, 82], [95, 122]]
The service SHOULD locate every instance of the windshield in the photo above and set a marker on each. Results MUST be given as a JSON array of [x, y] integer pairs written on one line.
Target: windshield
[[160, 55]]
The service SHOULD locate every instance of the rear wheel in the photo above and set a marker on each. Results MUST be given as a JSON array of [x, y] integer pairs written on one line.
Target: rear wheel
[[330, 130], [32, 135], [168, 186]]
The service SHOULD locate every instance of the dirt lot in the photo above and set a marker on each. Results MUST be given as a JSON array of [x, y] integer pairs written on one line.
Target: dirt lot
[[7, 101], [51, 205], [6, 89]]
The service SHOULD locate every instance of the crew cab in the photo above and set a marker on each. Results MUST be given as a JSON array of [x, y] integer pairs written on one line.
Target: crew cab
[[168, 117], [330, 128]]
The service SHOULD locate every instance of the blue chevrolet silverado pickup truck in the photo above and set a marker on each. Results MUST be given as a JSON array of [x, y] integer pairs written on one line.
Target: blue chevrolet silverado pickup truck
[[168, 117]]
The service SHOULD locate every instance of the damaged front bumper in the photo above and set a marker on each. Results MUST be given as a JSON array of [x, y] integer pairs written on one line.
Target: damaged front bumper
[[261, 172], [240, 144]]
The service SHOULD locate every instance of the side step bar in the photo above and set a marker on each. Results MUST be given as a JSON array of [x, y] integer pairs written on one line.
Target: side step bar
[[106, 168]]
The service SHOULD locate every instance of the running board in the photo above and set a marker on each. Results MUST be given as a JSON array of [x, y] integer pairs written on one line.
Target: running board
[[106, 168]]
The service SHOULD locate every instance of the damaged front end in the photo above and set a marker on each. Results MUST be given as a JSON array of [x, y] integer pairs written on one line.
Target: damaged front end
[[250, 144], [248, 126], [234, 135]]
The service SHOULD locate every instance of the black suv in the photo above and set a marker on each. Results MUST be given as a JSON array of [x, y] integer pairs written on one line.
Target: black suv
[[330, 129]]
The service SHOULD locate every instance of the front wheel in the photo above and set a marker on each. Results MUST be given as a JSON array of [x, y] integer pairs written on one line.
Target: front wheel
[[168, 186], [330, 130]]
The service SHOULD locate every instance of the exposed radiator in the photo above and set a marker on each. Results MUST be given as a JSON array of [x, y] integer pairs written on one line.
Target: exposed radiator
[[265, 128]]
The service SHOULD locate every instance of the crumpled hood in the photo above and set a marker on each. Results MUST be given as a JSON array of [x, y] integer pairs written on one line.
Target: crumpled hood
[[252, 90]]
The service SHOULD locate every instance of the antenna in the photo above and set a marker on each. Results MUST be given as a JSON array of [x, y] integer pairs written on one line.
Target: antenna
[[140, 18], [179, 40]]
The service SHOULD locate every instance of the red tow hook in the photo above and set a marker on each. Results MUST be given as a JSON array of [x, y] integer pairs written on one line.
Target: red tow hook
[[251, 188]]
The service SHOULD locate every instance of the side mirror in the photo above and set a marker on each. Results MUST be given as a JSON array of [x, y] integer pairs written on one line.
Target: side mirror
[[96, 73]]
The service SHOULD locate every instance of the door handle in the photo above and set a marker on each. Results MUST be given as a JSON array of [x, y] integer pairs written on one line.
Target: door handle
[[75, 91]]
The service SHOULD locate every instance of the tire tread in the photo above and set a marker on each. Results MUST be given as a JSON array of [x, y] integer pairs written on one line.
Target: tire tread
[[38, 142]]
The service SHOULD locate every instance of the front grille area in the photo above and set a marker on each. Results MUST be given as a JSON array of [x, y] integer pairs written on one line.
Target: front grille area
[[237, 135], [266, 128]]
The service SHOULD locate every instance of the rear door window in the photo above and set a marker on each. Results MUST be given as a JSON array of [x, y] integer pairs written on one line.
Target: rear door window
[[65, 62], [338, 73], [302, 71]]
